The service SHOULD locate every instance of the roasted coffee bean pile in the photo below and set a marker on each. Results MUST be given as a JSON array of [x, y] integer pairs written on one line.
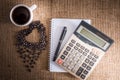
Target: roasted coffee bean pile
[[30, 51]]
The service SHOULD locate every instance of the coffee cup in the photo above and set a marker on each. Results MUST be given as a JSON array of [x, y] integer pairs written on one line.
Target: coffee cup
[[22, 15]]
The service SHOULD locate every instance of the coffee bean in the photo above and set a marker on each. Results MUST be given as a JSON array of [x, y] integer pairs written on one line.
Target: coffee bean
[[32, 66], [29, 70]]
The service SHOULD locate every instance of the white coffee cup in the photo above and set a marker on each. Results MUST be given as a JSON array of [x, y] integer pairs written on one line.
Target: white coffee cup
[[22, 15]]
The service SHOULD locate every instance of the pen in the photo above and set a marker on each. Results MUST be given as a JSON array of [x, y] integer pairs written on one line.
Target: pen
[[60, 42]]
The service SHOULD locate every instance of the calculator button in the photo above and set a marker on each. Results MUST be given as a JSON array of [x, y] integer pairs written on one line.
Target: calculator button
[[89, 56], [67, 61], [72, 64], [79, 71], [84, 53], [79, 62], [68, 48], [70, 56], [77, 65], [64, 64], [80, 50], [73, 70], [59, 61], [77, 44], [91, 63], [69, 67], [78, 55], [70, 44], [88, 68], [75, 53], [96, 56], [73, 41], [87, 60], [76, 48], [75, 59], [82, 57], [86, 50], [62, 57], [65, 52], [84, 65], [82, 76], [85, 72], [93, 59], [82, 47]]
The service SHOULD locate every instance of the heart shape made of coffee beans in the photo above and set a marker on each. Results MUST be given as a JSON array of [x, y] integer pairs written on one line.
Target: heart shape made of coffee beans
[[30, 51]]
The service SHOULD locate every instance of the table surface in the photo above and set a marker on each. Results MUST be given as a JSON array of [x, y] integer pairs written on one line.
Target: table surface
[[104, 14]]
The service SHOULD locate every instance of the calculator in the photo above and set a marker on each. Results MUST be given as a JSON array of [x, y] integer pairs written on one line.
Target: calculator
[[83, 51]]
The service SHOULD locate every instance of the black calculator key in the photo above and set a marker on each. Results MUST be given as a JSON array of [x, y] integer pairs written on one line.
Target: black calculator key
[[82, 76], [77, 44], [76, 48], [68, 48], [79, 71], [73, 41], [65, 52], [88, 68], [87, 60], [62, 57], [84, 65], [70, 44], [85, 72], [91, 63]]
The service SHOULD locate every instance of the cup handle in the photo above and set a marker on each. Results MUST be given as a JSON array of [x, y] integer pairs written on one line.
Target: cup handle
[[33, 7]]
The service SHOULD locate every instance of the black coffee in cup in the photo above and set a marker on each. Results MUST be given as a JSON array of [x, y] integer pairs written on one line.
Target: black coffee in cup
[[21, 15]]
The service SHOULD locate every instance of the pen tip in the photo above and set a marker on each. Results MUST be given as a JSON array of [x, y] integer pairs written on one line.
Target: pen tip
[[65, 28]]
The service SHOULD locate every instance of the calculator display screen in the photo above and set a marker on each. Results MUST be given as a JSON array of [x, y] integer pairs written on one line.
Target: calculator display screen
[[92, 37]]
